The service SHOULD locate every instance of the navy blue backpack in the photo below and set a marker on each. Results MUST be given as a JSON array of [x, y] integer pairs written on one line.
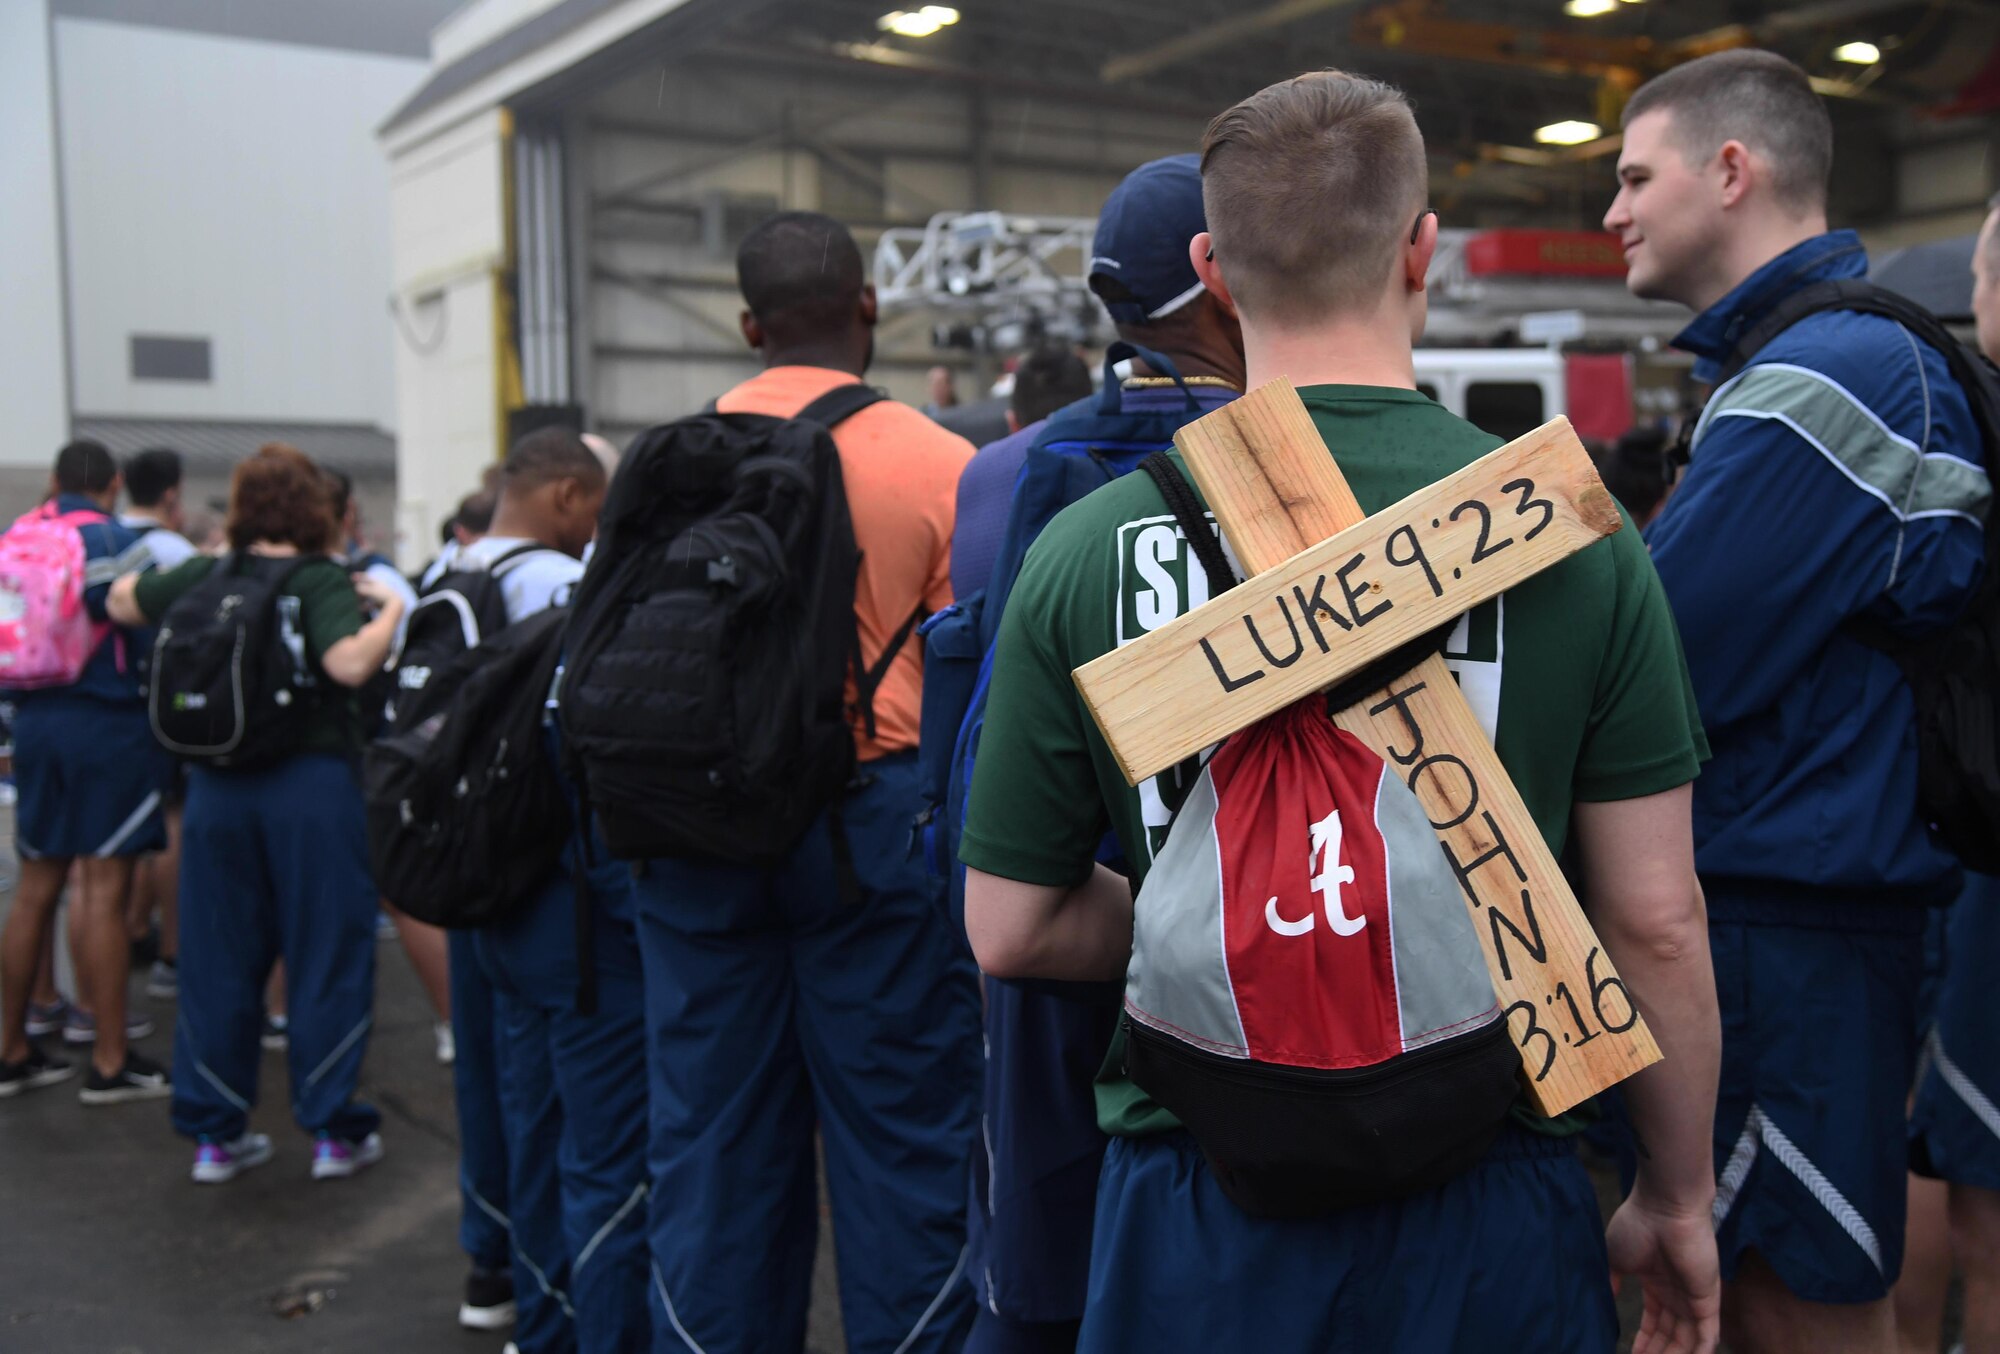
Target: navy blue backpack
[[1080, 448]]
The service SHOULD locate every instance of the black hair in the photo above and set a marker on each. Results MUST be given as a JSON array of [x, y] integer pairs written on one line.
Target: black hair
[[551, 453], [85, 467], [475, 511], [800, 274], [149, 474], [340, 485], [1047, 378]]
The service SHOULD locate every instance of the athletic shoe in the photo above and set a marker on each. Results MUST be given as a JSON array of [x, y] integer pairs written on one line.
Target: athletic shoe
[[139, 1079], [277, 1033], [447, 1043], [337, 1158], [47, 1019], [80, 1027], [385, 926], [513, 1348], [218, 1163], [489, 1300], [164, 982], [33, 1072]]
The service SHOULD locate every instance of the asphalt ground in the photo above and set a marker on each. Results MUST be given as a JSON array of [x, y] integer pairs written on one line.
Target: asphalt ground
[[106, 1246]]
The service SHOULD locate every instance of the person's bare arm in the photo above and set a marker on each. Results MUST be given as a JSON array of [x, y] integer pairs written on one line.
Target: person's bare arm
[[1082, 933], [353, 660], [121, 604], [1639, 881]]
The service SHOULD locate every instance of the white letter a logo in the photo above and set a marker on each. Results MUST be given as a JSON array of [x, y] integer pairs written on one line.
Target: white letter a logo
[[1328, 874]]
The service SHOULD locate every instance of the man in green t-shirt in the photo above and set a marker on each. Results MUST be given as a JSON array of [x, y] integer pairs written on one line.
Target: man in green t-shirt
[[1319, 239]]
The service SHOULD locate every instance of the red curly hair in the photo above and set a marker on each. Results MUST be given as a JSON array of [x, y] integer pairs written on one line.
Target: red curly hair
[[280, 495]]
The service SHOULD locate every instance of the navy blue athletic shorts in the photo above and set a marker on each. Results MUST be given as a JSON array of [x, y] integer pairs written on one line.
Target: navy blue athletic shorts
[[1507, 1257], [1955, 1126], [92, 779], [1820, 1000]]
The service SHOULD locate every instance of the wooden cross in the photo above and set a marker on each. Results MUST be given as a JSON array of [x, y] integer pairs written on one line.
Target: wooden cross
[[1332, 591]]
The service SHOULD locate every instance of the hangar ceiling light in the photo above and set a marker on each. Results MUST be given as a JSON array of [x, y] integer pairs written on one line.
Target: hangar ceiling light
[[1589, 9], [1858, 53], [917, 23], [1569, 133]]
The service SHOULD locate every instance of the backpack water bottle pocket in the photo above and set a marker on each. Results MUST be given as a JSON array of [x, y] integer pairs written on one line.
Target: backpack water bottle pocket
[[952, 654]]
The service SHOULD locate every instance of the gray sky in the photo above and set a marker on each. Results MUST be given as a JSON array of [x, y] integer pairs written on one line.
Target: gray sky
[[392, 27]]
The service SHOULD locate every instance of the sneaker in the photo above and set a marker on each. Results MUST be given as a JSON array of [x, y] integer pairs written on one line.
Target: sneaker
[[277, 1033], [80, 1027], [139, 1079], [447, 1043], [43, 1020], [385, 926], [164, 982], [33, 1072], [218, 1163], [337, 1158], [489, 1300]]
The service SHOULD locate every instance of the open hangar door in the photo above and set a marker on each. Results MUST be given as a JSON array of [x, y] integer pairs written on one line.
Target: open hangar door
[[573, 181], [631, 200]]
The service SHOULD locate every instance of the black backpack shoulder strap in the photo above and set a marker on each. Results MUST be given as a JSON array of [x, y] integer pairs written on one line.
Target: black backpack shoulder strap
[[1972, 374], [840, 404], [868, 680], [1186, 508], [519, 555], [1851, 293]]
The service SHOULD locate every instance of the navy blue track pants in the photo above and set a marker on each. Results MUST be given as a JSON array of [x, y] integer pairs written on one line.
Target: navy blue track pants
[[274, 862], [776, 1006]]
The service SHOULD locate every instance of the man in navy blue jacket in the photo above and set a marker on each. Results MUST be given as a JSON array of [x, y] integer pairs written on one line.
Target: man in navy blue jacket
[[1838, 476]]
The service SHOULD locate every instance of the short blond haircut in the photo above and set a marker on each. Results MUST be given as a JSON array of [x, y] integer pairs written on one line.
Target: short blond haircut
[[1311, 187]]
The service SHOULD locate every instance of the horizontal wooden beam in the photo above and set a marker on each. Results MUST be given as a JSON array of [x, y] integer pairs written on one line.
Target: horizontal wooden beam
[[1340, 604]]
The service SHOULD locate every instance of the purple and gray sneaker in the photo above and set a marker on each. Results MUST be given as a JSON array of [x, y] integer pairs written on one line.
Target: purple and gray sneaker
[[45, 1020], [337, 1158], [218, 1163]]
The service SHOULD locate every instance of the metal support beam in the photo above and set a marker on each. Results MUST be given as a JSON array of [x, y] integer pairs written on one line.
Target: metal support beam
[[1204, 40]]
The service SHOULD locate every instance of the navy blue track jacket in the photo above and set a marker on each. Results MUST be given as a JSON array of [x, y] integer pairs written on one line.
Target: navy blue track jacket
[[1840, 474]]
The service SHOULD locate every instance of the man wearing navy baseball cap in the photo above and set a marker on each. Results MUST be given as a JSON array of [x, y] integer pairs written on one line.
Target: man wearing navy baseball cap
[[1139, 269], [1035, 1185]]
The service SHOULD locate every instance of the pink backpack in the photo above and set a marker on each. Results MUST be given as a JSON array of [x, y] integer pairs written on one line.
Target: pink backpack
[[46, 635]]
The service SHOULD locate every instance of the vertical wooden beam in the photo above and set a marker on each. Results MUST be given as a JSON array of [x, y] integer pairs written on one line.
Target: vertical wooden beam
[[1269, 480]]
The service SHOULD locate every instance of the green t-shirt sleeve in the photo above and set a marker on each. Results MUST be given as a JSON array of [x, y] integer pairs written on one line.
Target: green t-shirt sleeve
[[1035, 813], [329, 609], [158, 589], [1644, 735]]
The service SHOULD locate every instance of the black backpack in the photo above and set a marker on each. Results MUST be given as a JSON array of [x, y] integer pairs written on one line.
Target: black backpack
[[1954, 673], [712, 635], [460, 609], [231, 685], [466, 817]]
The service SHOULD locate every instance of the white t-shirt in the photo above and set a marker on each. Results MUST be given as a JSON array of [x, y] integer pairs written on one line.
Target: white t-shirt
[[534, 582], [435, 570], [169, 549]]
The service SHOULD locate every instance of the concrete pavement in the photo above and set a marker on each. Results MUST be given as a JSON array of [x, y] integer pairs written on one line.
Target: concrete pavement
[[106, 1247]]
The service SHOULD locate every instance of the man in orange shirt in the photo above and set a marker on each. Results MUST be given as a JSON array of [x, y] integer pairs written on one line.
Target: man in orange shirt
[[826, 991]]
